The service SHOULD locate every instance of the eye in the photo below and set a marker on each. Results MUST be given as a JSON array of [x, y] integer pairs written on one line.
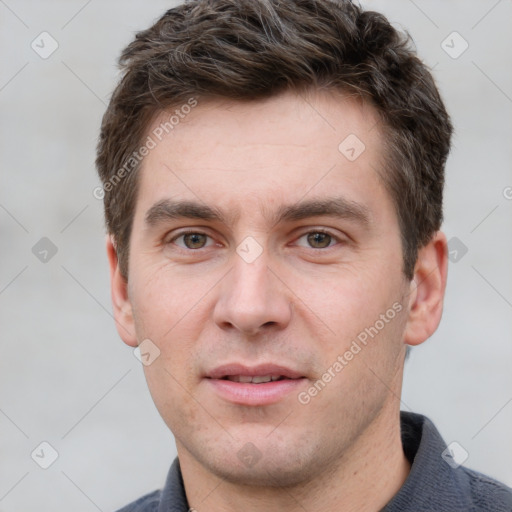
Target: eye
[[318, 239], [191, 240]]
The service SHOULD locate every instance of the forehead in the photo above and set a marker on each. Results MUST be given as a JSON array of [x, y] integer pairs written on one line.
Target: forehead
[[264, 154]]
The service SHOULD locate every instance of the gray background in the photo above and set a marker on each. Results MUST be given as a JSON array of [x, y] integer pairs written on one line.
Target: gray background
[[65, 376]]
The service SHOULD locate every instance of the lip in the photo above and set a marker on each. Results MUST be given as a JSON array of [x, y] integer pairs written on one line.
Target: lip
[[265, 393], [252, 371]]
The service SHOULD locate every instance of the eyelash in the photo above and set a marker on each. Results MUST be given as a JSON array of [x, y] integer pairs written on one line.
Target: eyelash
[[194, 232]]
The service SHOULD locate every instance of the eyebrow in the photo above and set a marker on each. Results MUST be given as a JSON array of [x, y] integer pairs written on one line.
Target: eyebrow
[[169, 209], [338, 207]]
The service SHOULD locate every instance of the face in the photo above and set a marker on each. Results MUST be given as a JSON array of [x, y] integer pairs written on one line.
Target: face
[[262, 248]]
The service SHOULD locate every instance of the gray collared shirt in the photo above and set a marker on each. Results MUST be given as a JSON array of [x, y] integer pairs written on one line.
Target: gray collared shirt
[[435, 483]]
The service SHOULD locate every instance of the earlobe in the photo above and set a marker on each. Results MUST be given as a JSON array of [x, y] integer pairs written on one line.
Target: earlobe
[[121, 304], [427, 291]]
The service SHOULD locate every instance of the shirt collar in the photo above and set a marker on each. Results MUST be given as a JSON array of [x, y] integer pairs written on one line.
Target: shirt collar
[[432, 483], [173, 497]]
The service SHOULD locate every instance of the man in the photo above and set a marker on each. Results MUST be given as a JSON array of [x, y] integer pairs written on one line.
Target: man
[[273, 176]]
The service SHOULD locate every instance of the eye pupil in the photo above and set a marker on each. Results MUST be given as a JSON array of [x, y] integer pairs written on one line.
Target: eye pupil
[[319, 240], [194, 240]]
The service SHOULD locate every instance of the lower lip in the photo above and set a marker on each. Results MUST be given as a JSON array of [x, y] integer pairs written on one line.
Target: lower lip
[[266, 393]]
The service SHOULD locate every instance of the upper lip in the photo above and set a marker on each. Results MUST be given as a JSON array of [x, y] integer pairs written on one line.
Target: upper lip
[[231, 369]]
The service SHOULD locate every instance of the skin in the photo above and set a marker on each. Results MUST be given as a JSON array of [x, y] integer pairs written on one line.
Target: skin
[[297, 304]]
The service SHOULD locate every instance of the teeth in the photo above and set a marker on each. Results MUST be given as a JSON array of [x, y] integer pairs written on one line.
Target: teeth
[[258, 380], [254, 380]]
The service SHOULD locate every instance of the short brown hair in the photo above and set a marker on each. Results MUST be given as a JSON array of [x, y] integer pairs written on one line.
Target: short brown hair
[[252, 49]]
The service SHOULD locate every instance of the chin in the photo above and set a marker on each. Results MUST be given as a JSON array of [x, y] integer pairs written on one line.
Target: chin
[[273, 463], [282, 473]]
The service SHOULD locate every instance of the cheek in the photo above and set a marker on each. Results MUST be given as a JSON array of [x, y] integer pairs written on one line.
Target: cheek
[[173, 320], [165, 304], [366, 318], [171, 394], [352, 299]]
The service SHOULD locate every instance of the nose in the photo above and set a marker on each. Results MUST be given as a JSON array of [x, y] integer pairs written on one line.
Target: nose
[[252, 298]]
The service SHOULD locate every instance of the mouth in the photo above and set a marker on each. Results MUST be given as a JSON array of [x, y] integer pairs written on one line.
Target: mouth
[[255, 386], [257, 379]]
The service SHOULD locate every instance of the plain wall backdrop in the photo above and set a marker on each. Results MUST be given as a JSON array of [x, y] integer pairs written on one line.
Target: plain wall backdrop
[[65, 376]]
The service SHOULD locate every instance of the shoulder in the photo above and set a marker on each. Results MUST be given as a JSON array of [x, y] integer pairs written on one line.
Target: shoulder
[[436, 483], [487, 494], [147, 503]]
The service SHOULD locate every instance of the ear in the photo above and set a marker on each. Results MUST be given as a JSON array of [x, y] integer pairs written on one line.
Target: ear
[[427, 290], [123, 314]]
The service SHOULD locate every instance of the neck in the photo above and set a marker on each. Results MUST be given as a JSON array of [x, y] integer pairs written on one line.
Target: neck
[[364, 479]]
